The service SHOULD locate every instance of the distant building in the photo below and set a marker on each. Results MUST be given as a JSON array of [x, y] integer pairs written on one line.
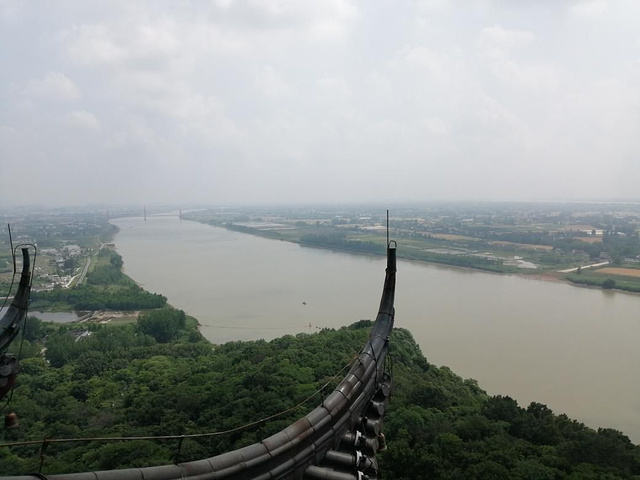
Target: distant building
[[72, 250], [80, 334]]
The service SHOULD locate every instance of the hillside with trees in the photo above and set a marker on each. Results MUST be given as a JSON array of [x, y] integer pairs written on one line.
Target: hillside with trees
[[160, 377]]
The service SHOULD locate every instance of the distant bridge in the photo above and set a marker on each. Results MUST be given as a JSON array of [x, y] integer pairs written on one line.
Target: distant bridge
[[178, 214], [336, 441]]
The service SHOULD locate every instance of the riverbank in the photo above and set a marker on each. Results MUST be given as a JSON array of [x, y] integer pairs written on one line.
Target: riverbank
[[371, 245], [574, 276]]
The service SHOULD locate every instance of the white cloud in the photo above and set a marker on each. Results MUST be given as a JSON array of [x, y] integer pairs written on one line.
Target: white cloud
[[498, 37], [286, 14], [534, 76], [429, 6], [333, 87], [499, 46], [54, 85], [590, 8], [436, 65], [270, 83], [129, 44], [10, 11], [251, 93], [436, 126], [83, 119]]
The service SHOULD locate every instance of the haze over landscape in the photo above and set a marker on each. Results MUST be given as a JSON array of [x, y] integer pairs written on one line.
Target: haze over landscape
[[320, 101], [210, 189]]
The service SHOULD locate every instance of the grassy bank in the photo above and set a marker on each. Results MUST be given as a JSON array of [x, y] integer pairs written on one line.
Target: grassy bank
[[605, 281], [373, 245], [422, 251]]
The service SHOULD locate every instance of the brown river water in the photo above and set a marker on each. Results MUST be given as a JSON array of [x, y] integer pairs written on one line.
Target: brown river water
[[573, 349]]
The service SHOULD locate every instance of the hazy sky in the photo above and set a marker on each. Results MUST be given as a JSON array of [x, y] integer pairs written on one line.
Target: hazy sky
[[280, 101]]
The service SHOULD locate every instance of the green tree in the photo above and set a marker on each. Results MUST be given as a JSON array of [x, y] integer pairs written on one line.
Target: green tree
[[34, 329], [163, 324], [59, 349]]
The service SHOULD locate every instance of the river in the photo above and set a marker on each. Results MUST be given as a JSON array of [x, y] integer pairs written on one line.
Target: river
[[573, 349]]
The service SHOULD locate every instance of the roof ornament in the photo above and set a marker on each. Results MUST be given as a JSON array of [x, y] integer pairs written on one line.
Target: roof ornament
[[13, 321]]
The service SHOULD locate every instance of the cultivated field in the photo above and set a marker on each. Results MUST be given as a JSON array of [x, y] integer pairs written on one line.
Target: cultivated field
[[625, 272], [590, 239], [446, 236], [578, 227], [523, 245]]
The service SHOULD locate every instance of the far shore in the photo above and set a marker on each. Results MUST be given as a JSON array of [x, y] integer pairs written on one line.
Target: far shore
[[547, 276]]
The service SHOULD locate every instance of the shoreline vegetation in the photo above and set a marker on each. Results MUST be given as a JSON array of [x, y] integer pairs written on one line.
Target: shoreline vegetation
[[338, 241]]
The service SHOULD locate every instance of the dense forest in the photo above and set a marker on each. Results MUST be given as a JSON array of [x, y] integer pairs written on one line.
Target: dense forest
[[160, 377]]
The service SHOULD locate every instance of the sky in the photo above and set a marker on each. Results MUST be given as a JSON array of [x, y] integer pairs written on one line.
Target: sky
[[318, 101]]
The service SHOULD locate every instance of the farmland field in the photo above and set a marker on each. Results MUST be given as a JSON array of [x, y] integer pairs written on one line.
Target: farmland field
[[446, 236], [590, 239], [523, 245], [578, 227], [626, 272]]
